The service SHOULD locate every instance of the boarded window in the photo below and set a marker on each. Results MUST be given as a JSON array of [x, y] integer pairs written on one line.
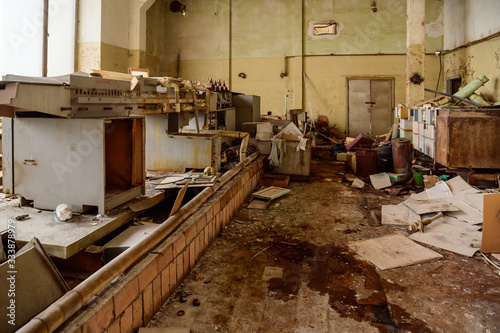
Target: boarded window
[[325, 28]]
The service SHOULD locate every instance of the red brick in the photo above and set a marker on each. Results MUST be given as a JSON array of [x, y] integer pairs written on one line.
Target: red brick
[[101, 319], [190, 233], [165, 258], [179, 245], [192, 255], [126, 321], [180, 269], [126, 295], [147, 304], [186, 261], [114, 327], [137, 320], [210, 214], [165, 284], [148, 274], [173, 277], [199, 246], [203, 240], [200, 224], [216, 207], [157, 294]]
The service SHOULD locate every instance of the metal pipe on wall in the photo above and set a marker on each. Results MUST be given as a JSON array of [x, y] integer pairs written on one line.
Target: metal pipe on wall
[[61, 310]]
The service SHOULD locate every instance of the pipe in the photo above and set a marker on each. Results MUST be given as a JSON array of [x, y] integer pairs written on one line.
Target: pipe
[[455, 97], [466, 91], [61, 310]]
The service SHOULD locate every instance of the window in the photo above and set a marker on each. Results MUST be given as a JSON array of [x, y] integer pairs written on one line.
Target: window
[[22, 37]]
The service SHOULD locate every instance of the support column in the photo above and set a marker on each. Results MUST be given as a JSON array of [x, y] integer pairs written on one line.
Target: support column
[[415, 52], [137, 31]]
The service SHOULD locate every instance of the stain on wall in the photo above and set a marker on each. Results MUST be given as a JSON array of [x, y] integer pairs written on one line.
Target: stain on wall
[[472, 61], [220, 39]]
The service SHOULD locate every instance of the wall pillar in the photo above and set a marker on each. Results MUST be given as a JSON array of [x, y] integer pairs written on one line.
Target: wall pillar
[[415, 53]]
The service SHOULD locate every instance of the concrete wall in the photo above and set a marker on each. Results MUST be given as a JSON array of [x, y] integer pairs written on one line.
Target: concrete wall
[[132, 299], [219, 40], [468, 21]]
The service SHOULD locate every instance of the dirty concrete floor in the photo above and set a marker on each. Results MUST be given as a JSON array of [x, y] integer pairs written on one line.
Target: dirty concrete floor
[[289, 269]]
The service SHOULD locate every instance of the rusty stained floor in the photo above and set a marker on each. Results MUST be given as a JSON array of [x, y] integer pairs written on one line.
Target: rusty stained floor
[[307, 280]]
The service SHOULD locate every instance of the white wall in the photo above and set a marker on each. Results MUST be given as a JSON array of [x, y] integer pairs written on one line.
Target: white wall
[[469, 20]]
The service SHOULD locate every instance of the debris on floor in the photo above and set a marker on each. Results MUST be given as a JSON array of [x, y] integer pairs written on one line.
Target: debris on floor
[[393, 251]]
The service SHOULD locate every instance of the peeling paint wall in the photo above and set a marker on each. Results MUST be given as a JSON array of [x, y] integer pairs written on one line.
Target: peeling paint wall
[[222, 38], [467, 21]]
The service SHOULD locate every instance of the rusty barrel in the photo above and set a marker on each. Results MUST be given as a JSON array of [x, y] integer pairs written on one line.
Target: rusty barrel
[[366, 162], [401, 155]]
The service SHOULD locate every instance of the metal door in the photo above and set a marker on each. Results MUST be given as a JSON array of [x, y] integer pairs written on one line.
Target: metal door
[[370, 104]]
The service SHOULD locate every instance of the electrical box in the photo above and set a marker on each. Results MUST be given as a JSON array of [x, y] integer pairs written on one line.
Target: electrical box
[[83, 163]]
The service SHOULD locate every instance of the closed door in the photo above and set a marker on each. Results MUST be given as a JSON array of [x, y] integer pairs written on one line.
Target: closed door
[[370, 106]]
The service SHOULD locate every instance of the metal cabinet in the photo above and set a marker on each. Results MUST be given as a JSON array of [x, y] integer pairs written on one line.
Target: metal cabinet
[[179, 151], [83, 163]]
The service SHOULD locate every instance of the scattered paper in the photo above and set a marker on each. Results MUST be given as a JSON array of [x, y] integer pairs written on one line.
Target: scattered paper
[[450, 234], [440, 190], [398, 215], [429, 206]]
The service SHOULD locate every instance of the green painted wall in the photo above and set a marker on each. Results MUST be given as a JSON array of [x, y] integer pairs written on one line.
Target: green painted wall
[[220, 39]]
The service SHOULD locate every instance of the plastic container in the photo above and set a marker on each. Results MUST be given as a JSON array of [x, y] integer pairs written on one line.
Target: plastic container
[[418, 175]]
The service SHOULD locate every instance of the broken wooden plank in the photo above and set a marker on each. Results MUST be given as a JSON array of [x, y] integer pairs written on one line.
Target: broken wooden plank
[[271, 193], [393, 251], [259, 204], [178, 200], [399, 215]]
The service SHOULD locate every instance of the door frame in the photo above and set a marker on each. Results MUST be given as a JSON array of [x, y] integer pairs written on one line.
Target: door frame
[[348, 78]]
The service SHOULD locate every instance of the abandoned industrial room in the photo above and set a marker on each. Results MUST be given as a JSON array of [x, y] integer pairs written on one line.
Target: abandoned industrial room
[[176, 166]]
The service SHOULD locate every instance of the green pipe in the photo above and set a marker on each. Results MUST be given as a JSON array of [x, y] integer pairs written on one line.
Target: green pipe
[[478, 99], [467, 90]]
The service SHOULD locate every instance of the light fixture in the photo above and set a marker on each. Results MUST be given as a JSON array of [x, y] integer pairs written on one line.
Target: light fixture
[[374, 6], [176, 6]]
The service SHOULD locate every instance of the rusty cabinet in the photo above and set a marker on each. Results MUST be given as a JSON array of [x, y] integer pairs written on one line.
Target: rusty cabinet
[[468, 138]]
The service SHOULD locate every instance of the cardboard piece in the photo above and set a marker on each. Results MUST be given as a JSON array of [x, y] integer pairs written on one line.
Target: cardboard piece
[[459, 186], [430, 206], [393, 251], [361, 141], [398, 215], [450, 234], [491, 225], [430, 181], [380, 180]]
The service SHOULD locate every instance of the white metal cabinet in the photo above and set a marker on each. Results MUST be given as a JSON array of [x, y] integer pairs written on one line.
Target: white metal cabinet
[[58, 161]]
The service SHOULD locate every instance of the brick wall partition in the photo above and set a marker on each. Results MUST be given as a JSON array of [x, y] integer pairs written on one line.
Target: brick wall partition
[[131, 300]]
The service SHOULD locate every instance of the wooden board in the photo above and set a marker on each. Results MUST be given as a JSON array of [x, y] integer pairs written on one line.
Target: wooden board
[[271, 193], [178, 199], [393, 251], [450, 234], [429, 206], [259, 204], [398, 215], [491, 225]]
